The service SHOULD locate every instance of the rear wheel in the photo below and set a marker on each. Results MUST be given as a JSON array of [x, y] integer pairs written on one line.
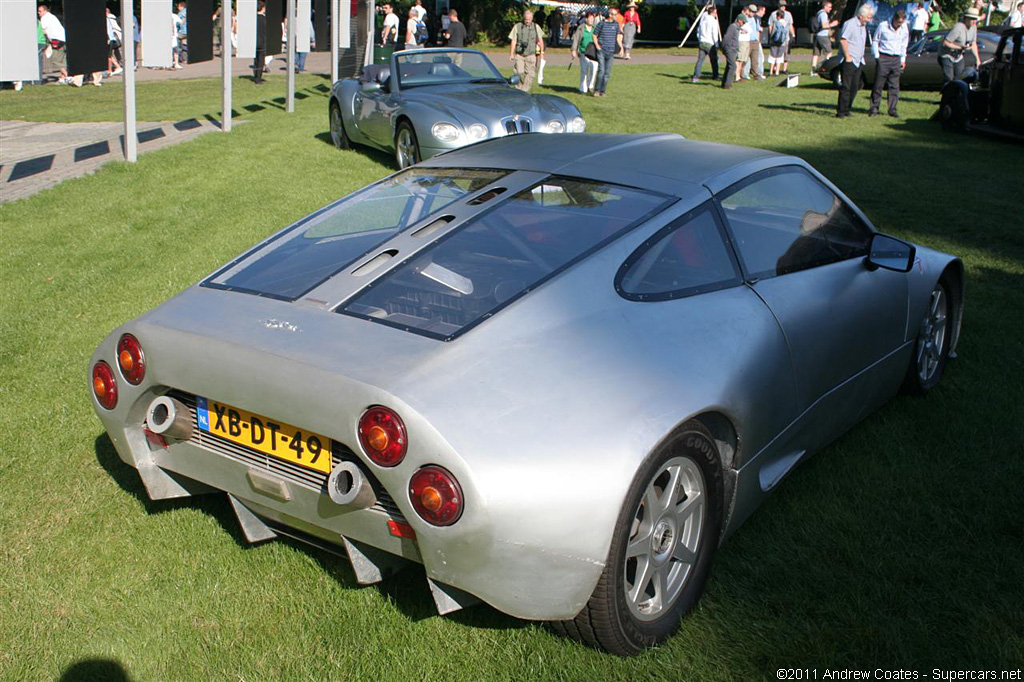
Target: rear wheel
[[407, 147], [931, 350], [338, 136], [661, 551]]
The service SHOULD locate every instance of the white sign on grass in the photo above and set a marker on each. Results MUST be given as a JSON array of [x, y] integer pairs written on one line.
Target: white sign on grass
[[19, 53], [157, 33], [246, 29]]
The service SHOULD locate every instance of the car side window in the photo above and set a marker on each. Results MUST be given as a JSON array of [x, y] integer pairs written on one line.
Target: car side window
[[785, 220], [688, 256]]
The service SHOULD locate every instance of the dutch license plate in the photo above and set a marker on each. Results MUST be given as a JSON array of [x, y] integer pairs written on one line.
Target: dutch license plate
[[270, 437]]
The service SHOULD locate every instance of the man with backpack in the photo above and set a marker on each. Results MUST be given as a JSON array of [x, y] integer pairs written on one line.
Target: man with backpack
[[779, 33], [821, 26], [526, 41]]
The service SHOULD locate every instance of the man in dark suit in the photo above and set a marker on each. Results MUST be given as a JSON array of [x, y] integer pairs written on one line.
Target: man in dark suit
[[259, 61]]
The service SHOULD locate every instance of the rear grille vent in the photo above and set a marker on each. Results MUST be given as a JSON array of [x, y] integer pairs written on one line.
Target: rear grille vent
[[514, 126], [294, 473]]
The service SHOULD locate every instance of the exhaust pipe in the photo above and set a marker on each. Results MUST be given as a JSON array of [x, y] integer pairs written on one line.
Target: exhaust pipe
[[348, 487], [170, 418]]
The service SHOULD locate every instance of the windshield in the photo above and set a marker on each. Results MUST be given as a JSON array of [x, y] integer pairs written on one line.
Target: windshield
[[303, 256], [501, 254], [441, 67]]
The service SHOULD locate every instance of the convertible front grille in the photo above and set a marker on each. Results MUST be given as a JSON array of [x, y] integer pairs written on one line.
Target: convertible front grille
[[514, 126], [294, 473]]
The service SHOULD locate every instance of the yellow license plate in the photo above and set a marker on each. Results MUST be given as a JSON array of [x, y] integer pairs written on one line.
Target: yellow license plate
[[268, 436]]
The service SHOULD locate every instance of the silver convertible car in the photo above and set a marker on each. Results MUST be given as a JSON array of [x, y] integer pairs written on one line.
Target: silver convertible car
[[556, 371], [432, 100]]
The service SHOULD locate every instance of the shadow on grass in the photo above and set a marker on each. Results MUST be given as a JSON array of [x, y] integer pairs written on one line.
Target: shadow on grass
[[95, 670], [373, 154]]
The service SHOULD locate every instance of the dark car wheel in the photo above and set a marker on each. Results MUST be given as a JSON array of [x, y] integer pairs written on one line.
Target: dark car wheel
[[662, 548], [931, 350], [338, 136], [407, 147]]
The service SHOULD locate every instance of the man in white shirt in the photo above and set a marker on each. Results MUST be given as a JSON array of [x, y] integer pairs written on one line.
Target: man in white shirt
[[822, 39], [389, 36], [918, 22], [709, 38], [417, 11], [1015, 19], [889, 46], [55, 35]]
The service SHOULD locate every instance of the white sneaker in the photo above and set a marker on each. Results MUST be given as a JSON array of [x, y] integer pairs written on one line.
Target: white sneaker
[[178, 66], [117, 71]]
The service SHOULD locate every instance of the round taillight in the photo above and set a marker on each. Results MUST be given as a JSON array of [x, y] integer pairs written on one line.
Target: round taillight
[[436, 496], [382, 435], [103, 385], [130, 359]]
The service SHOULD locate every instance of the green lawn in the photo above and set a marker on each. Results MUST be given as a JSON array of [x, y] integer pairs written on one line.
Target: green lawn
[[900, 546]]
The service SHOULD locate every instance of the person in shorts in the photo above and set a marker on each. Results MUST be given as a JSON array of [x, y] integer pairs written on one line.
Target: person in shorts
[[743, 56], [822, 38], [792, 35]]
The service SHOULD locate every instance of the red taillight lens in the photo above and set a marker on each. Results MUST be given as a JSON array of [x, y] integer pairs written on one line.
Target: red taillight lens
[[131, 360], [382, 435], [436, 496], [103, 385]]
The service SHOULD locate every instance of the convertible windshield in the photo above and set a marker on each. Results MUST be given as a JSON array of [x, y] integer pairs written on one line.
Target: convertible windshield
[[440, 67], [502, 254], [308, 253]]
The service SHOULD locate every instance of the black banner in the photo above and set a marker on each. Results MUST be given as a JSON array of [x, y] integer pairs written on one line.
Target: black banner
[[85, 22], [322, 25], [275, 15], [200, 31]]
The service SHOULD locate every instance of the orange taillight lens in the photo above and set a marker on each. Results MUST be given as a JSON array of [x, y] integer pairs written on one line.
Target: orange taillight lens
[[104, 387]]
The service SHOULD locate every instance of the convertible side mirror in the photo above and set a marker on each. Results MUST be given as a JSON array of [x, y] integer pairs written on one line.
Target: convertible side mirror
[[889, 253], [372, 86], [513, 79]]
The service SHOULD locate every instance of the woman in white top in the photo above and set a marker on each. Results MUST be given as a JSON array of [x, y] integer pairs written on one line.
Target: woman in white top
[[114, 42]]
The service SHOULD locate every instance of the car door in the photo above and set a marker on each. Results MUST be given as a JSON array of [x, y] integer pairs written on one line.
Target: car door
[[374, 109], [923, 68], [802, 251]]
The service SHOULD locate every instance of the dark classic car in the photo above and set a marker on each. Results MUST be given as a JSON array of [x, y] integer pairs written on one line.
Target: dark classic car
[[994, 100], [434, 100], [923, 70]]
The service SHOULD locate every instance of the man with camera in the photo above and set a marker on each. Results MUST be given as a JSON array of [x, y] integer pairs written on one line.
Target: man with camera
[[526, 42], [962, 37]]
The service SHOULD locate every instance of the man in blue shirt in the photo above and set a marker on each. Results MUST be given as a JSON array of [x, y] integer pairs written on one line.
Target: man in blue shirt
[[852, 39], [822, 26], [890, 50], [608, 38]]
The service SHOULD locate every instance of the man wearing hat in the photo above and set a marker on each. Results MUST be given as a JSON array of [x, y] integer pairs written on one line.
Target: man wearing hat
[[963, 36]]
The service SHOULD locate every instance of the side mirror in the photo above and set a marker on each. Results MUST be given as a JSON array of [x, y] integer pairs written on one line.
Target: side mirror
[[889, 253], [513, 79], [372, 86]]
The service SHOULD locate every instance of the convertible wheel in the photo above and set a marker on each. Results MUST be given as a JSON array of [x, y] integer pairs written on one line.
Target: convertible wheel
[[338, 136], [661, 551], [407, 148], [931, 350]]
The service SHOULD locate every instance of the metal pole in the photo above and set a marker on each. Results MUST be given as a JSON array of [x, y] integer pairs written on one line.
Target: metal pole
[[694, 25], [335, 11], [131, 141], [226, 16], [290, 96]]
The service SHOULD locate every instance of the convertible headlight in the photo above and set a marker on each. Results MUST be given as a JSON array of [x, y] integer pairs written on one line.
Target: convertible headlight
[[556, 127], [577, 125], [446, 132], [477, 131]]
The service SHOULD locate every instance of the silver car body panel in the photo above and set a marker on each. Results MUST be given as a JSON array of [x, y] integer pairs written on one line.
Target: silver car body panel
[[544, 411]]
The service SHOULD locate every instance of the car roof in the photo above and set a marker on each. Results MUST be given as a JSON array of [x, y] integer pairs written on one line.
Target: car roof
[[662, 162]]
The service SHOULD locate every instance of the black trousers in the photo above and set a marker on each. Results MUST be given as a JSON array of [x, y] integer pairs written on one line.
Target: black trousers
[[730, 69], [258, 62], [848, 90], [887, 73]]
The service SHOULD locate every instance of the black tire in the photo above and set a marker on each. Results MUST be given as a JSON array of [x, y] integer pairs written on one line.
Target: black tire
[[402, 156], [915, 382], [337, 126], [607, 622]]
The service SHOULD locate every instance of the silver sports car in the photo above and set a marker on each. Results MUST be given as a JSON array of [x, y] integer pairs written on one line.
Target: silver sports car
[[432, 100], [557, 371]]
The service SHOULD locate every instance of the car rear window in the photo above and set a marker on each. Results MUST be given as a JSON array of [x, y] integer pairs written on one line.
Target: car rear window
[[303, 256], [502, 254]]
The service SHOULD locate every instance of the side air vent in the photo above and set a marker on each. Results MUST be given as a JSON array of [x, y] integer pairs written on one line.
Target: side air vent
[[375, 262], [433, 227]]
